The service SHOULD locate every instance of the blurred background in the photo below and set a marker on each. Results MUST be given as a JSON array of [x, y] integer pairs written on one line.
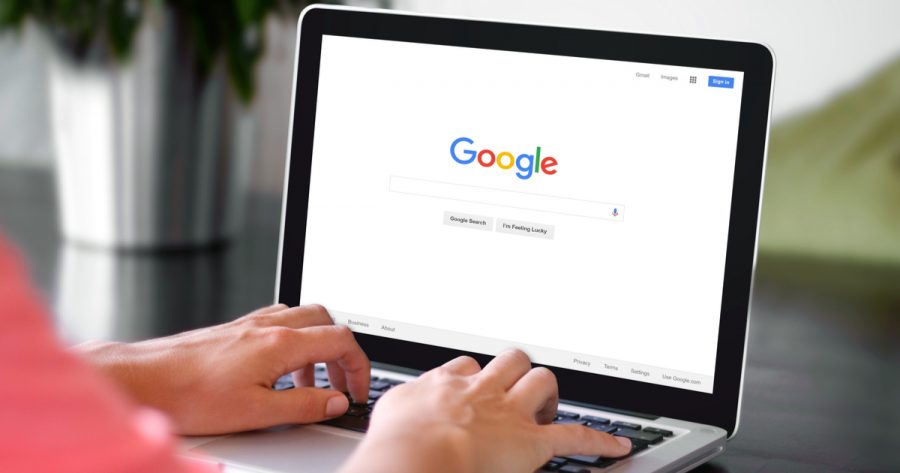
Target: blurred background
[[112, 111]]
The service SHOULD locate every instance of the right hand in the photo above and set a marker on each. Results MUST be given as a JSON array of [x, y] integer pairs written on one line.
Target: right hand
[[219, 379], [460, 418]]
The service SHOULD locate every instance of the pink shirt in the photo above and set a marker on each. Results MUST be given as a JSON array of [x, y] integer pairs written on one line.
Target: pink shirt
[[56, 413]]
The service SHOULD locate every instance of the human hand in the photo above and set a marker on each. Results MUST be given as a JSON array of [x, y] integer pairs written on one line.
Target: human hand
[[460, 418], [219, 379]]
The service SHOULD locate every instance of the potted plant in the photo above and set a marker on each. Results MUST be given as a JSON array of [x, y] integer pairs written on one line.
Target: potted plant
[[150, 118]]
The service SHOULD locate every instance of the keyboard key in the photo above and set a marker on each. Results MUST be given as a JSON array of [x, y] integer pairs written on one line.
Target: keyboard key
[[573, 469], [592, 460], [284, 382], [560, 460], [567, 414], [602, 427], [392, 382], [595, 420], [381, 385], [567, 421], [375, 395], [627, 425], [551, 466], [637, 447], [357, 424], [638, 436], [357, 410], [663, 432]]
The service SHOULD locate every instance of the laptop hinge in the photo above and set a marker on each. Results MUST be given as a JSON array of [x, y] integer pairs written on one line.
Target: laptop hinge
[[641, 415], [588, 405]]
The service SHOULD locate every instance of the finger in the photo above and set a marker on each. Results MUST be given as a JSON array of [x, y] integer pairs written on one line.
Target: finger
[[269, 309], [260, 314], [305, 376], [504, 370], [337, 377], [463, 365], [580, 440], [295, 317], [332, 344], [537, 393], [300, 406]]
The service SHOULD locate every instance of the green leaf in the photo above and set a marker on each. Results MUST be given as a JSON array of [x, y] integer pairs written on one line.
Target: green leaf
[[12, 12], [232, 31], [248, 11], [121, 26]]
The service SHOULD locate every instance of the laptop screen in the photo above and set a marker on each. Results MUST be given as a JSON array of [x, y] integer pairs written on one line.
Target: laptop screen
[[475, 199]]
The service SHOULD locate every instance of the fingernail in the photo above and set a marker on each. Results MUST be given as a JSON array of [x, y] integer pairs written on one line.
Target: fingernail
[[336, 406], [623, 441], [513, 351]]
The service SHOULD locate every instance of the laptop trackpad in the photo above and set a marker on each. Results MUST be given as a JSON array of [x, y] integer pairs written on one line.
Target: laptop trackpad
[[311, 448]]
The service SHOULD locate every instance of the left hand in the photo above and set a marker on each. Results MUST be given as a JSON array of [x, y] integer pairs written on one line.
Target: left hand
[[219, 379]]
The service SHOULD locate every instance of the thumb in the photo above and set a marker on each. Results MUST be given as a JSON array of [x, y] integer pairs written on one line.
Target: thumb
[[304, 405]]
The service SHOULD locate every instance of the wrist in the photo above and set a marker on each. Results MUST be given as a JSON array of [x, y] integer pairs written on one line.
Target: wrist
[[113, 361], [436, 448]]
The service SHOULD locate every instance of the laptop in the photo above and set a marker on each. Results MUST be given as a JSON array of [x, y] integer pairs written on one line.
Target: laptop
[[462, 187]]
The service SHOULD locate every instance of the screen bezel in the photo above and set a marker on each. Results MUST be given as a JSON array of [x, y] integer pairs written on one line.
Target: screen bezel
[[721, 408]]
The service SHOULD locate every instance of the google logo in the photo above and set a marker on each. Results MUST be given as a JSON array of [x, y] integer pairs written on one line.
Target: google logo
[[526, 164]]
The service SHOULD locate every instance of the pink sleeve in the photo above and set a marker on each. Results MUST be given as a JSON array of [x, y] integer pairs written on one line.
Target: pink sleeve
[[56, 414]]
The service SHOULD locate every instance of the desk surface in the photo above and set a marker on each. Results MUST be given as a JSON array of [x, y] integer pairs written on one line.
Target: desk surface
[[822, 387]]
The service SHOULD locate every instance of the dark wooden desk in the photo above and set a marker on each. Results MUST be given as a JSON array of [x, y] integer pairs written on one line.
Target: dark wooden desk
[[822, 387]]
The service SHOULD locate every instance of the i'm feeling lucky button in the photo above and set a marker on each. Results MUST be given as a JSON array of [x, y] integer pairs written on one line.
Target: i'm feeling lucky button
[[515, 227]]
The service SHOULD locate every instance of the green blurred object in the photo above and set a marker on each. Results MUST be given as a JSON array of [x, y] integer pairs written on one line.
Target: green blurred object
[[831, 213], [92, 30]]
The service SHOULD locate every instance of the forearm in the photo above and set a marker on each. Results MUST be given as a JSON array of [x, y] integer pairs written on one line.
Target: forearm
[[219, 379], [112, 360], [129, 366]]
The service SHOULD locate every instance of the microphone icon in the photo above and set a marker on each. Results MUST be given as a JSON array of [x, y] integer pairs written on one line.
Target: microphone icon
[[615, 212]]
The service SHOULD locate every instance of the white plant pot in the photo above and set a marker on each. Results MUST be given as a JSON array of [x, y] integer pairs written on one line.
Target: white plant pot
[[149, 153]]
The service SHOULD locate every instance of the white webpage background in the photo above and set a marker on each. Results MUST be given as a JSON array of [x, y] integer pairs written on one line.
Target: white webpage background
[[646, 290]]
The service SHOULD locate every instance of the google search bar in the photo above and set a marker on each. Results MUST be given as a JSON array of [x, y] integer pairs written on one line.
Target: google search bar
[[506, 198]]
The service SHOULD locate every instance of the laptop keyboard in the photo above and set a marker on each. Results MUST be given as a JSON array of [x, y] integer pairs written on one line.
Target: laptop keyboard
[[642, 438]]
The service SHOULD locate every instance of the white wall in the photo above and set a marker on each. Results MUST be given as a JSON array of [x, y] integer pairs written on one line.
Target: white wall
[[821, 46]]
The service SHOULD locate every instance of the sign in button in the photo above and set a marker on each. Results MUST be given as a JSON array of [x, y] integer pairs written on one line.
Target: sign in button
[[721, 82]]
